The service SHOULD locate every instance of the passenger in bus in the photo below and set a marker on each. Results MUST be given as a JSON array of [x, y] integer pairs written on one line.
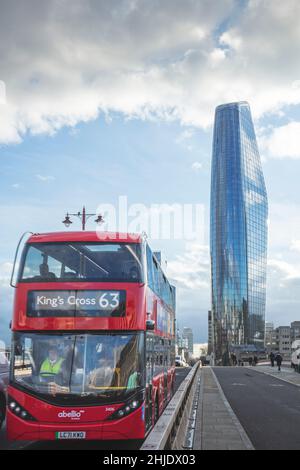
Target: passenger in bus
[[132, 381], [133, 274], [134, 376], [103, 375], [45, 273]]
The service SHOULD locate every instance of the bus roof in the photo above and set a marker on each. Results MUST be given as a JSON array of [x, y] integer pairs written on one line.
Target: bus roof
[[109, 237]]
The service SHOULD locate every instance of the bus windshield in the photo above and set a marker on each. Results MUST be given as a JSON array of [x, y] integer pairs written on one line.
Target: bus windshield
[[93, 368], [71, 262]]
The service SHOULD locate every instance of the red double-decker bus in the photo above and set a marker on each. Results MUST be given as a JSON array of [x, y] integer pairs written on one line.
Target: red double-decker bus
[[93, 345]]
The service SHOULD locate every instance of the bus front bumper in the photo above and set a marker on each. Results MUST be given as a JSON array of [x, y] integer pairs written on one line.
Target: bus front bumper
[[129, 427]]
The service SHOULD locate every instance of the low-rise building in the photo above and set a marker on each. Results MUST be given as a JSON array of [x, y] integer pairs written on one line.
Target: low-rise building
[[295, 331], [283, 338], [270, 337]]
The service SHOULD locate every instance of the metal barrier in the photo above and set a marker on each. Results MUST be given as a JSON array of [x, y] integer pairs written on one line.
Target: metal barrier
[[164, 432]]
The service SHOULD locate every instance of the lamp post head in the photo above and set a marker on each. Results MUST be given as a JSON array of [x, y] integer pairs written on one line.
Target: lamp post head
[[99, 219], [67, 222]]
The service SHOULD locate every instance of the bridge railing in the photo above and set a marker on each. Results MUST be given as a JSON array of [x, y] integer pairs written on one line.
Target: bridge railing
[[172, 425]]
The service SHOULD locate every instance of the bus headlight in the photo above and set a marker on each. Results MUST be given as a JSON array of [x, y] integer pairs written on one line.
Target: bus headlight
[[12, 405], [18, 410], [128, 408]]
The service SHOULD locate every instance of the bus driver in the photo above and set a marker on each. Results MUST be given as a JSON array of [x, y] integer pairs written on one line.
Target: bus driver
[[52, 365], [51, 371]]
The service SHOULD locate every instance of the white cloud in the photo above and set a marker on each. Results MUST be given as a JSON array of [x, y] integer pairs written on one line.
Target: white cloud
[[295, 245], [10, 126], [64, 62], [287, 270], [231, 39], [283, 280], [284, 225], [2, 92], [284, 141], [196, 166], [45, 178], [217, 56], [5, 270], [192, 269], [185, 135], [283, 284]]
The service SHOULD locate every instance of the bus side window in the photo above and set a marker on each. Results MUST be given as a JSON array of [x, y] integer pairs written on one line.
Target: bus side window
[[150, 269], [157, 350], [164, 289], [149, 358], [167, 352]]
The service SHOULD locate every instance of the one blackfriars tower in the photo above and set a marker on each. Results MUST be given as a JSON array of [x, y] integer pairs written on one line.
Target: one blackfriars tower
[[238, 236]]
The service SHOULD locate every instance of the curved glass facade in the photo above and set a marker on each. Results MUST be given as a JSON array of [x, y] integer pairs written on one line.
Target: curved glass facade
[[238, 236]]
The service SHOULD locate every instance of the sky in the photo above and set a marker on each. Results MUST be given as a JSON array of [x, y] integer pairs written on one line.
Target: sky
[[105, 99]]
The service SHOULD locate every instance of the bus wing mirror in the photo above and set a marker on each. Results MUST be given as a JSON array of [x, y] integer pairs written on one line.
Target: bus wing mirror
[[150, 325]]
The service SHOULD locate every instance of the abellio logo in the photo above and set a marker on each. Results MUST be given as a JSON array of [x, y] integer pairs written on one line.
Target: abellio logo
[[70, 414]]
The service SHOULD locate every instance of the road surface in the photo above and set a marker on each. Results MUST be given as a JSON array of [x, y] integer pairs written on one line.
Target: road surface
[[267, 408], [181, 373]]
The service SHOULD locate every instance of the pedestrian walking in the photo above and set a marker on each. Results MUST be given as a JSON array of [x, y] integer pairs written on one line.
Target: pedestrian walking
[[233, 359], [250, 361], [255, 360], [278, 359], [272, 359]]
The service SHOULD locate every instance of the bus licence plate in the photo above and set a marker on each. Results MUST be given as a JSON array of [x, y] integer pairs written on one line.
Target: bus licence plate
[[70, 435]]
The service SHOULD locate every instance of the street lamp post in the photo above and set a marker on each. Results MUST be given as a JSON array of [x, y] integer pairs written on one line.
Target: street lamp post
[[83, 216]]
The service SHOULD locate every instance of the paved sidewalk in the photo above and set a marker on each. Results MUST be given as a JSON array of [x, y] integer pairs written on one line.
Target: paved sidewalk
[[286, 374], [217, 427]]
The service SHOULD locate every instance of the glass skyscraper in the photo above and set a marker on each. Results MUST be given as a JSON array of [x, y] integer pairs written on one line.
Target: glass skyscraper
[[238, 233]]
